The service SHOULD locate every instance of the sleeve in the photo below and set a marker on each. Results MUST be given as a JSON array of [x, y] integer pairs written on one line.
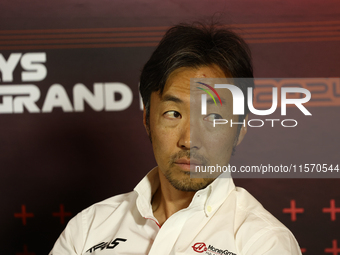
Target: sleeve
[[70, 242], [273, 242]]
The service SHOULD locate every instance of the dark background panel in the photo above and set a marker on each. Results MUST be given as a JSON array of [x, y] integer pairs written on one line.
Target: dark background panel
[[79, 158]]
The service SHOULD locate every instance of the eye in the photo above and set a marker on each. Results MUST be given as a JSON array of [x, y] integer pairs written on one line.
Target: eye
[[212, 116], [172, 115]]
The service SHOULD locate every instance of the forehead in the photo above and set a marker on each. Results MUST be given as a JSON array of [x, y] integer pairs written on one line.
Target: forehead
[[179, 80]]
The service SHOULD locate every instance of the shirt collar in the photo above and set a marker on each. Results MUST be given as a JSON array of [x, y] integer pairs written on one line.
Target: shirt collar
[[145, 190], [216, 193], [210, 197]]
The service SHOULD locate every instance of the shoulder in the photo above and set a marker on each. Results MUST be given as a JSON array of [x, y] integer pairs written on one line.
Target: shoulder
[[109, 205], [258, 230], [97, 213], [253, 212], [73, 238]]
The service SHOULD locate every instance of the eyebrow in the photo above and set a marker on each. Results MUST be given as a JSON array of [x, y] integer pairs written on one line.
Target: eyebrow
[[171, 98]]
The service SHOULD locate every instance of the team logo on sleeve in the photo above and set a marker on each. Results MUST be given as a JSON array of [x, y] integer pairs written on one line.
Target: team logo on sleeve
[[106, 245]]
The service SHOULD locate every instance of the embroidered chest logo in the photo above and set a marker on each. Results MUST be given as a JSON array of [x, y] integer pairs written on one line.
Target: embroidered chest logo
[[211, 250], [199, 247], [106, 245]]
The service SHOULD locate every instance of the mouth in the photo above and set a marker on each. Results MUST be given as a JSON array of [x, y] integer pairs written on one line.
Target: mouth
[[188, 164]]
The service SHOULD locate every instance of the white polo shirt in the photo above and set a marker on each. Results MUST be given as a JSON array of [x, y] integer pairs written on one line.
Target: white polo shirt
[[221, 220]]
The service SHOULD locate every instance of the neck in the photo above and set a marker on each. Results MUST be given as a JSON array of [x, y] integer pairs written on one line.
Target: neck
[[167, 200]]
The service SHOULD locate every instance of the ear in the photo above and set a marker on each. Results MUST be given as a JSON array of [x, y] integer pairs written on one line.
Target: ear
[[243, 131], [145, 122]]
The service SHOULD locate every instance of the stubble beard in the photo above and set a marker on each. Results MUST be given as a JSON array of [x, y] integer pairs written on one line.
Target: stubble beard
[[187, 181]]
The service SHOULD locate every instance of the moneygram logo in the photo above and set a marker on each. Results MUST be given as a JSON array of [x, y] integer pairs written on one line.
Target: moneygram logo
[[202, 247]]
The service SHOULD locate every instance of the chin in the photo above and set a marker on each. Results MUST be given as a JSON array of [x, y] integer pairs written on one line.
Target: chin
[[186, 183]]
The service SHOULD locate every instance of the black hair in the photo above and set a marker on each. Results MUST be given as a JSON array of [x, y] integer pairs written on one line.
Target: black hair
[[195, 46]]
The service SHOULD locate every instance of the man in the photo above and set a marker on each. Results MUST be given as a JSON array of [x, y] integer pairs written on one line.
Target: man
[[169, 211]]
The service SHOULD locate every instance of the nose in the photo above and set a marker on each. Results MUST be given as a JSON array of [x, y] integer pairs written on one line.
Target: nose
[[188, 137]]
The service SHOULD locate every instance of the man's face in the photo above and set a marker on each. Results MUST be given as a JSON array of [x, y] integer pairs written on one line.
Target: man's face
[[181, 141]]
